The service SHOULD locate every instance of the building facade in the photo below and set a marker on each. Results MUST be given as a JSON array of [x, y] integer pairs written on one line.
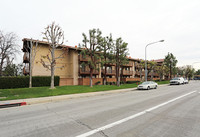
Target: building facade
[[71, 70]]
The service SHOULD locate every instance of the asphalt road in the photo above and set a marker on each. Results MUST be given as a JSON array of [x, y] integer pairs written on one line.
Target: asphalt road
[[169, 111]]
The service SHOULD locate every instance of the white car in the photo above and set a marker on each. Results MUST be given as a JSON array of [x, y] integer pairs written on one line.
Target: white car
[[177, 81], [186, 81], [148, 85]]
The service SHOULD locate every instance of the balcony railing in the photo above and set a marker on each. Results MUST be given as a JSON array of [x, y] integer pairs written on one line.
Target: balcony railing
[[110, 64], [108, 72], [130, 64], [26, 70], [26, 57], [87, 72], [127, 72], [153, 73], [138, 73]]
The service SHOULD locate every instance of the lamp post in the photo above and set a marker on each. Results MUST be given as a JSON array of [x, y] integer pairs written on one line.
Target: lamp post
[[146, 56]]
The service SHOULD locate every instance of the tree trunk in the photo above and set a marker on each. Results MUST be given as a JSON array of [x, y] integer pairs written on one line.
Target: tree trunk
[[118, 82], [152, 76], [117, 75], [91, 71], [140, 74], [160, 77], [121, 74], [52, 69], [104, 79], [170, 71], [52, 77], [30, 68], [1, 66], [30, 78]]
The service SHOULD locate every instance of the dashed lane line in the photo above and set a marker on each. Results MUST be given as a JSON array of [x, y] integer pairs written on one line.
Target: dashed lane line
[[132, 117]]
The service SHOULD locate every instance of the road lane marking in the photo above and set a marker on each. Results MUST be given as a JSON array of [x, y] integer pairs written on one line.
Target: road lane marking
[[132, 117]]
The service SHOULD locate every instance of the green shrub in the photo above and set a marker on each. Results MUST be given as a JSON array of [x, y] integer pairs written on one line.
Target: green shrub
[[98, 82], [23, 81]]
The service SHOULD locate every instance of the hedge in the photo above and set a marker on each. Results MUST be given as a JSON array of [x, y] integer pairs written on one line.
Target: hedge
[[131, 82], [23, 81]]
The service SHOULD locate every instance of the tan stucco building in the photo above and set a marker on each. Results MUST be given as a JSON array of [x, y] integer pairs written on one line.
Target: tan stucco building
[[69, 66]]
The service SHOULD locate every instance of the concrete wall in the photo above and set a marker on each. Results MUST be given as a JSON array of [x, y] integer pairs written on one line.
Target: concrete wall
[[86, 81]]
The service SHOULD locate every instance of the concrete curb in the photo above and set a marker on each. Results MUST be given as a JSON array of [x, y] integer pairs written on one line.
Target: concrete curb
[[73, 96], [12, 104], [62, 97]]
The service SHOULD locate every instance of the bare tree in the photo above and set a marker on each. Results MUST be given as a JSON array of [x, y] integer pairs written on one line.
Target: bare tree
[[32, 48], [55, 37], [8, 48]]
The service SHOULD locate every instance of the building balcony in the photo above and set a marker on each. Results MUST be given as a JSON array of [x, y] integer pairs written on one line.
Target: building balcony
[[26, 57], [153, 73], [138, 73], [127, 72], [110, 64], [82, 58], [109, 72], [87, 72], [26, 70], [130, 64]]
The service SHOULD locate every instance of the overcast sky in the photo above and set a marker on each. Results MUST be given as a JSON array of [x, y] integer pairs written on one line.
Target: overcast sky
[[138, 22]]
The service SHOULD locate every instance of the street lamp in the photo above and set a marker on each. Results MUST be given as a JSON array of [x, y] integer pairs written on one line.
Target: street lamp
[[146, 56]]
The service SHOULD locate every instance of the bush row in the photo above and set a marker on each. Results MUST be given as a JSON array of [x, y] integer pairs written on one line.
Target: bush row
[[23, 81], [131, 82], [122, 82]]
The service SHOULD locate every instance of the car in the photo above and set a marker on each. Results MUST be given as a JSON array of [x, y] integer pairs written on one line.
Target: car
[[148, 85], [186, 81], [177, 81]]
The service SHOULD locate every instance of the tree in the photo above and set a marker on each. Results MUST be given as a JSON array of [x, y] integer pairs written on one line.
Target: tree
[[55, 38], [8, 48], [91, 47], [189, 71], [32, 48], [197, 72], [180, 71], [120, 54], [161, 70], [106, 54], [151, 68], [13, 70], [170, 61], [141, 66]]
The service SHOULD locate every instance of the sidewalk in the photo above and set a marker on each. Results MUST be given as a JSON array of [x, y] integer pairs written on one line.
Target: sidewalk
[[31, 101]]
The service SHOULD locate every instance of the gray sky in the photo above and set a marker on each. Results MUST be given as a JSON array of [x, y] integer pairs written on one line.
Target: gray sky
[[138, 22]]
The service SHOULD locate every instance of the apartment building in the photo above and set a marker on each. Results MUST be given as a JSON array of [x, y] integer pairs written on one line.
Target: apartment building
[[71, 70]]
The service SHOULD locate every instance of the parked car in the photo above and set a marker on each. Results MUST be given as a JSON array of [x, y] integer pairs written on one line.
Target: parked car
[[148, 85], [177, 81], [186, 81]]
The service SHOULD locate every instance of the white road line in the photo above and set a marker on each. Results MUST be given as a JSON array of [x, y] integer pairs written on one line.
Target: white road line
[[131, 117]]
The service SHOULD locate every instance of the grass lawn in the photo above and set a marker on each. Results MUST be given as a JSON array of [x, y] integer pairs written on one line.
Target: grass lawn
[[23, 93]]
